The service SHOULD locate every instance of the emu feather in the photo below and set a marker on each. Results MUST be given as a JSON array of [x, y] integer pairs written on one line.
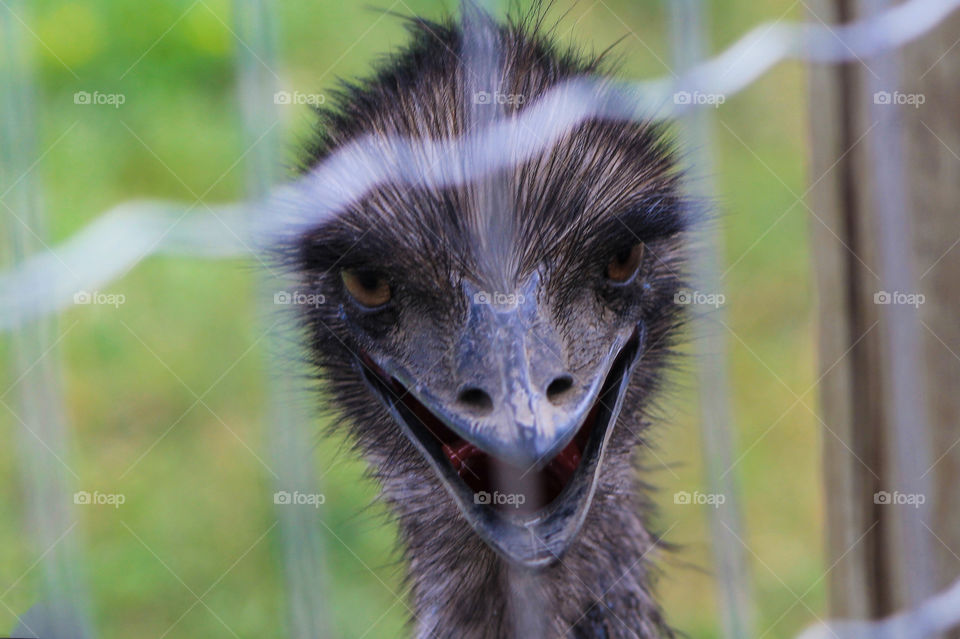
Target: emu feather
[[506, 356]]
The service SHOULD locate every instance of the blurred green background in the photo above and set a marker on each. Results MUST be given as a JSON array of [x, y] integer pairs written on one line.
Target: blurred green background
[[197, 498]]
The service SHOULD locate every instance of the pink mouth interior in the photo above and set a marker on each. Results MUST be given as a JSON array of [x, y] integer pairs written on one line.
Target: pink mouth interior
[[525, 489]]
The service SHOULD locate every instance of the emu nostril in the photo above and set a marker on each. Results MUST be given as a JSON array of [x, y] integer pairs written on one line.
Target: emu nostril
[[476, 400], [559, 388]]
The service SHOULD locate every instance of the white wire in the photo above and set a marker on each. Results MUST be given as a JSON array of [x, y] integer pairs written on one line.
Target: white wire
[[110, 246], [372, 160], [86, 263], [936, 615]]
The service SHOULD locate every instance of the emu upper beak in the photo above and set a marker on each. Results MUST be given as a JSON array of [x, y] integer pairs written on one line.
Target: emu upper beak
[[511, 403], [514, 397]]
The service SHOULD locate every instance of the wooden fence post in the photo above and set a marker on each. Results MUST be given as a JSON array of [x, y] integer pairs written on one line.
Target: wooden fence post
[[892, 427]]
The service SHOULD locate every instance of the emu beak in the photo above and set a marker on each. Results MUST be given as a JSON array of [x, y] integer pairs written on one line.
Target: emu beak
[[514, 420], [516, 400]]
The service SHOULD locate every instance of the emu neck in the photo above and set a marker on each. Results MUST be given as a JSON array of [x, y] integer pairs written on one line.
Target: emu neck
[[598, 589]]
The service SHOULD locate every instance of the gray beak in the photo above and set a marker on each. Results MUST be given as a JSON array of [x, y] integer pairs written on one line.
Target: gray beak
[[514, 397]]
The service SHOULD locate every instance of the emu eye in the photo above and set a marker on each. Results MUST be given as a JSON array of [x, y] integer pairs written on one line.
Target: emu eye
[[369, 288], [623, 266]]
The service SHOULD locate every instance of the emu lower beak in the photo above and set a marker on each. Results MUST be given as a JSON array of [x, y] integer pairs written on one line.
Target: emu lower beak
[[516, 423]]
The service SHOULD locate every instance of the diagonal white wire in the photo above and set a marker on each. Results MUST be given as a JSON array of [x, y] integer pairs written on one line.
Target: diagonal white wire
[[47, 281], [936, 615], [362, 165]]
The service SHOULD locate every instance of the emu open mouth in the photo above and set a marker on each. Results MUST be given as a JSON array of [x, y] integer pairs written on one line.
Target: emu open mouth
[[529, 515]]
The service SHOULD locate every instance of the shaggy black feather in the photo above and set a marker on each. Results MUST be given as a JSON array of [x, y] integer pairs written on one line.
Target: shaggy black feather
[[605, 187]]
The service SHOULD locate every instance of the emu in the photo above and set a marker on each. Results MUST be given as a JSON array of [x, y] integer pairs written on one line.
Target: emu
[[495, 348]]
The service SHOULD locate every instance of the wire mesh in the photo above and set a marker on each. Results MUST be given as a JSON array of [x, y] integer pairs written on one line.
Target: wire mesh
[[40, 284], [40, 419], [734, 591], [288, 419]]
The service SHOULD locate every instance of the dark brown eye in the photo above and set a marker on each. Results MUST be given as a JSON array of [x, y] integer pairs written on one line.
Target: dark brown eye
[[625, 263], [368, 288]]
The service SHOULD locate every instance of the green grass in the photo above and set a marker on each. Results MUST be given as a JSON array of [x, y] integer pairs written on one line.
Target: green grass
[[199, 499]]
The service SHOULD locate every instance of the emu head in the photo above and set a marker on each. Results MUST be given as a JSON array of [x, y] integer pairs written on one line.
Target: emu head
[[493, 343]]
